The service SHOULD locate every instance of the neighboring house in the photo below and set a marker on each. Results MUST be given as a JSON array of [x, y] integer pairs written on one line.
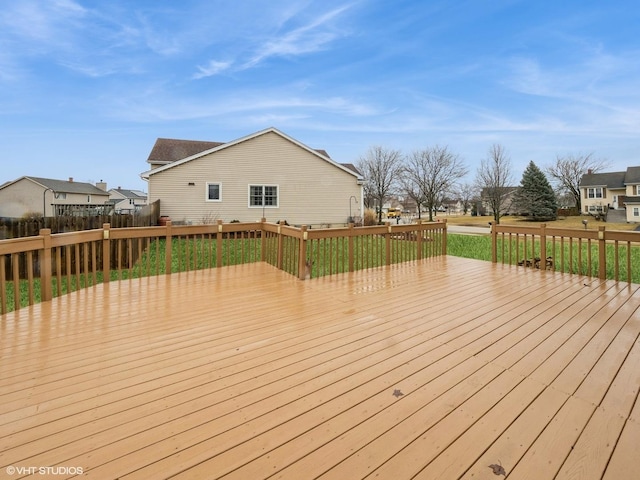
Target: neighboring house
[[507, 203], [617, 191], [266, 174], [49, 197], [127, 201]]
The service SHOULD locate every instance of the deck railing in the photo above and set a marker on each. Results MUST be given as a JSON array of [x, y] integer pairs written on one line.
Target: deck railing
[[598, 253], [45, 266]]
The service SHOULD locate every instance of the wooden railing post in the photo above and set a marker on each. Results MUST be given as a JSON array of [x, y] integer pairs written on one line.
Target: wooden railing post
[[45, 266], [302, 254], [387, 238], [351, 249], [494, 243], [444, 237], [279, 248], [543, 246], [219, 244], [168, 247], [106, 252], [263, 240], [602, 253], [419, 233]]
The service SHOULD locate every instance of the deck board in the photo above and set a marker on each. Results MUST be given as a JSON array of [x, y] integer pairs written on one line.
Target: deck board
[[247, 372]]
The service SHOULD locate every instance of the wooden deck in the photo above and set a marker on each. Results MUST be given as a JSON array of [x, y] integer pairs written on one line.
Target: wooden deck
[[436, 369]]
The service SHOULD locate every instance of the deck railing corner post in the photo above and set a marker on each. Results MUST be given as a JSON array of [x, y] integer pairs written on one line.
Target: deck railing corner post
[[302, 254]]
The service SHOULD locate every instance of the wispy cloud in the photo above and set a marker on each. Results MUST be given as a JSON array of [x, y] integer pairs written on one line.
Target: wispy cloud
[[308, 38], [214, 67]]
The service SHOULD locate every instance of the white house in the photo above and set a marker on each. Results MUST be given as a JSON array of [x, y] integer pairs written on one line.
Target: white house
[[127, 201], [266, 174]]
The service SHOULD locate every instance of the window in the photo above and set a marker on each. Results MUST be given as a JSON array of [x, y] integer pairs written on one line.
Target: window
[[636, 211], [594, 192], [214, 192], [263, 195], [636, 190]]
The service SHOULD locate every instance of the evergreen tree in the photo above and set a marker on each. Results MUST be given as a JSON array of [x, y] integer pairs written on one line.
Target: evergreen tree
[[535, 196]]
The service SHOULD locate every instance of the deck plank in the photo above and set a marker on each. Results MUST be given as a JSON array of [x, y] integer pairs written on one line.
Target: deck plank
[[247, 372]]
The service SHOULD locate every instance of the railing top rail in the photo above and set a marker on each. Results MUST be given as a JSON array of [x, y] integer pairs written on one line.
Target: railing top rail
[[18, 245], [601, 233]]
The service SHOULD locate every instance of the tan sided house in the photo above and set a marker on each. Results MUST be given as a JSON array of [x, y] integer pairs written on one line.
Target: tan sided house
[[614, 194], [50, 197], [266, 174]]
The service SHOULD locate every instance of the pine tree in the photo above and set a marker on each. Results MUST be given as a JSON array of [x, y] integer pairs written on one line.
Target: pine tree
[[535, 196]]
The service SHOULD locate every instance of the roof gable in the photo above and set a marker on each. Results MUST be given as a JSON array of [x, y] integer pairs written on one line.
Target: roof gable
[[220, 146]]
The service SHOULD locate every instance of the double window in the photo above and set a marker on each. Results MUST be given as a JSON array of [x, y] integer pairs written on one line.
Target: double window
[[263, 195], [214, 192], [595, 192]]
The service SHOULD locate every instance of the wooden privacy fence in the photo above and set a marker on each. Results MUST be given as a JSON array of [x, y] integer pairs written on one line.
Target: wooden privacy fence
[[598, 253], [41, 267]]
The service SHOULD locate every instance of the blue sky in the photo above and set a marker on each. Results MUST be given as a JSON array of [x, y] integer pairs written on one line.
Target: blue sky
[[87, 86]]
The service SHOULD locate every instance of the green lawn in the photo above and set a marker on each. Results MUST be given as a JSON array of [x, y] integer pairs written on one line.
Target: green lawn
[[567, 259]]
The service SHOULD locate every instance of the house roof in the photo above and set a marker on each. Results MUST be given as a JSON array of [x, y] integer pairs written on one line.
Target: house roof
[[128, 193], [609, 180], [168, 151], [612, 179], [633, 176], [63, 186], [628, 200]]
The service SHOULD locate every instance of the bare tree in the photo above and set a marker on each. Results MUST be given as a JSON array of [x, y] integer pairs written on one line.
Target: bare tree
[[495, 179], [567, 172], [381, 168], [466, 192], [434, 171]]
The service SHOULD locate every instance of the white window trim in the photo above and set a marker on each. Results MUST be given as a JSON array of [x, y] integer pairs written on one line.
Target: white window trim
[[206, 192], [277, 205], [595, 190], [636, 211]]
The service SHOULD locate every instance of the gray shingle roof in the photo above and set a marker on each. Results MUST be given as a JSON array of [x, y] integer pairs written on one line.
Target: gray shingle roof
[[167, 150], [609, 180], [633, 175], [64, 186]]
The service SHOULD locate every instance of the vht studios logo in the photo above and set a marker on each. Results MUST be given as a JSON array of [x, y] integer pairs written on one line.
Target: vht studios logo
[[13, 470]]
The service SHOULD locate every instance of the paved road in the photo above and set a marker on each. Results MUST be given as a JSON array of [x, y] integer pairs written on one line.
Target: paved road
[[468, 230]]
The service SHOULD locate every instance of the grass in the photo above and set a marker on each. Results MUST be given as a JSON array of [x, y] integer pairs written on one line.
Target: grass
[[568, 258]]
